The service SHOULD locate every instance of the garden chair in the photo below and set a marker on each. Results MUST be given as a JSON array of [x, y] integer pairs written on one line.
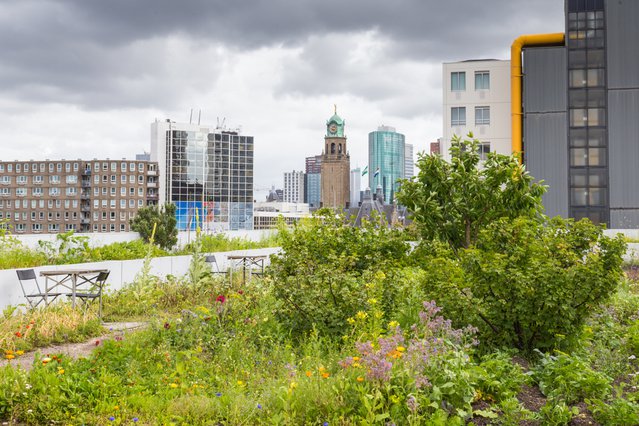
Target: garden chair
[[28, 277], [215, 268], [95, 291]]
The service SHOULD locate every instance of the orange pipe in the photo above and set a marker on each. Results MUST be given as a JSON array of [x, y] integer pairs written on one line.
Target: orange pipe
[[516, 77]]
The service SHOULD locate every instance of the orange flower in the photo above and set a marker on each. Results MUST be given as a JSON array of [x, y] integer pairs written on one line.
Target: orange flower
[[18, 334], [360, 379], [309, 373], [9, 356], [325, 375]]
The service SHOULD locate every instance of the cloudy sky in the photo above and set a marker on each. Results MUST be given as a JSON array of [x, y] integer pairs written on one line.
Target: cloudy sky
[[85, 78]]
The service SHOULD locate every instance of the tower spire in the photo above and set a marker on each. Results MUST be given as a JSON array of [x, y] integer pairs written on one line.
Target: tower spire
[[335, 108]]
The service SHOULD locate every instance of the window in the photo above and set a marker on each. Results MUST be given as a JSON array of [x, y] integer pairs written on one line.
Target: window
[[112, 204], [112, 227], [37, 192], [20, 227], [123, 204], [54, 192], [123, 191], [483, 149], [96, 204], [482, 80], [104, 190], [6, 180], [54, 179], [2, 168], [36, 227], [123, 167], [458, 81], [42, 166], [54, 227], [140, 203], [140, 167], [131, 178], [458, 116], [104, 214], [114, 167], [122, 227], [96, 191], [112, 215], [140, 179], [75, 167], [123, 179], [72, 191], [26, 167], [96, 179], [140, 192], [21, 179], [21, 192], [482, 115], [37, 179], [58, 167], [67, 167], [113, 179], [18, 168], [113, 191], [72, 179], [132, 203], [132, 192]]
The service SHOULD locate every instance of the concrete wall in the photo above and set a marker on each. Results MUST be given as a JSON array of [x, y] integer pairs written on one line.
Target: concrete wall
[[100, 239], [122, 272]]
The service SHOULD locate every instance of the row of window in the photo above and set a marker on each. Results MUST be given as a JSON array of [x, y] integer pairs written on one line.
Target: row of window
[[42, 167], [458, 80], [40, 215], [458, 116], [123, 179], [112, 191], [112, 203], [38, 204], [55, 227]]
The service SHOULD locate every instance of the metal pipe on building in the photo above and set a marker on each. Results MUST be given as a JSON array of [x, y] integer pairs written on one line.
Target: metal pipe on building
[[516, 75]]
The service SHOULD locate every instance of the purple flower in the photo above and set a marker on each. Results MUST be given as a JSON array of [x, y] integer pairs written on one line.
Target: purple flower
[[218, 394], [111, 418], [135, 419], [259, 406]]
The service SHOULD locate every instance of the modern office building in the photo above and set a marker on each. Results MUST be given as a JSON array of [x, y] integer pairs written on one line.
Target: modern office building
[[207, 173], [477, 99], [356, 186], [409, 161], [386, 160], [267, 215], [335, 167], [580, 107], [294, 187], [313, 181], [54, 196]]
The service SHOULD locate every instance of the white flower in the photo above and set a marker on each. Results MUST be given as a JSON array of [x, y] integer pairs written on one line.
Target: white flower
[[631, 357]]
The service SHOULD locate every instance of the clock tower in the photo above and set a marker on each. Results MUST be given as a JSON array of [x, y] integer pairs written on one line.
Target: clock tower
[[336, 165]]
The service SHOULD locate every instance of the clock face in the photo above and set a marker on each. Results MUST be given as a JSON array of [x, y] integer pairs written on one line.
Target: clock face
[[333, 128]]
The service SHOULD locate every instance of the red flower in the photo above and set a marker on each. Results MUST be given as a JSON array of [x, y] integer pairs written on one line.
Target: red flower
[[97, 343], [220, 298], [18, 334], [167, 325], [240, 292]]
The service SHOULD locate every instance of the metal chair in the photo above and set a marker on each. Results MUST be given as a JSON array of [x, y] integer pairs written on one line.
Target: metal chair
[[215, 268], [95, 292], [27, 276]]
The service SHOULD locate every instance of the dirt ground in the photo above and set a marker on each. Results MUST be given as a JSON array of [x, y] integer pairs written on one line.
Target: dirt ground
[[76, 350]]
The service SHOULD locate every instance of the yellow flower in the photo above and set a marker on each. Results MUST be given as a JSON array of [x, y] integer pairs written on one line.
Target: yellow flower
[[9, 356], [61, 371], [350, 320], [321, 368], [401, 349], [8, 352], [361, 315], [173, 385], [394, 399], [46, 360], [240, 383], [360, 379], [372, 301], [356, 365], [19, 353], [393, 324], [293, 385], [116, 408], [356, 358]]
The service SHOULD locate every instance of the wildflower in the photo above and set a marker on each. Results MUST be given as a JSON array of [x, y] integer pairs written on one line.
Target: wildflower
[[220, 298], [116, 408], [240, 292], [18, 334], [167, 325], [361, 315], [28, 327], [46, 360], [412, 404], [350, 320], [400, 349], [97, 343], [293, 385], [372, 301], [259, 406], [111, 418], [325, 424], [325, 375], [135, 419], [173, 385], [631, 357], [360, 379], [240, 383], [393, 324], [218, 394], [9, 356], [309, 373], [61, 371], [394, 399], [356, 358], [19, 353]]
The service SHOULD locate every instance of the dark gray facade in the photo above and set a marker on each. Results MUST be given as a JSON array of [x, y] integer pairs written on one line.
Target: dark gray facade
[[545, 124], [581, 114]]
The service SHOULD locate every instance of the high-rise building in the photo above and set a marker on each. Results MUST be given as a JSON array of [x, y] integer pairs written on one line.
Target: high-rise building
[[356, 186], [335, 179], [75, 195], [313, 181], [386, 160], [208, 174], [580, 98], [294, 187], [477, 100], [409, 161]]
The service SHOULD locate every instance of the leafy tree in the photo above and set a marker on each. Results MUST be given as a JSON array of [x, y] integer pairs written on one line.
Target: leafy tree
[[165, 230], [453, 201]]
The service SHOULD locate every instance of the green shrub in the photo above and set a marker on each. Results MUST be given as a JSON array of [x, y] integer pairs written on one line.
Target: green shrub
[[619, 412]]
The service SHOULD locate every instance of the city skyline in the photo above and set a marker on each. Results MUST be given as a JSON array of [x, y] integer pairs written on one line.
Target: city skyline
[[94, 75]]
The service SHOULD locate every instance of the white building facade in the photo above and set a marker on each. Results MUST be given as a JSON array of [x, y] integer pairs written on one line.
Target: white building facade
[[356, 187], [294, 187], [409, 161], [477, 99]]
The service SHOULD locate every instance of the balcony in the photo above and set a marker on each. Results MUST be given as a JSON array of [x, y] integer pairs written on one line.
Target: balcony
[[84, 221], [86, 172], [151, 173], [85, 195], [151, 185]]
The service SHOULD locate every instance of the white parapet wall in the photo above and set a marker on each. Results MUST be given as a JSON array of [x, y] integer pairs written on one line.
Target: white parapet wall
[[103, 238], [122, 271]]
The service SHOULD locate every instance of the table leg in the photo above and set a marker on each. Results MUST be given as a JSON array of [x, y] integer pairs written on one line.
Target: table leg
[[74, 284]]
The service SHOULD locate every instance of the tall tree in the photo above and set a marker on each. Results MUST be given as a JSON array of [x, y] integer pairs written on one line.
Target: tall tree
[[453, 201], [166, 228]]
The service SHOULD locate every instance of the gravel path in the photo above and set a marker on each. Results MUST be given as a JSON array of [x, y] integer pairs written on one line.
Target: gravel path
[[76, 350]]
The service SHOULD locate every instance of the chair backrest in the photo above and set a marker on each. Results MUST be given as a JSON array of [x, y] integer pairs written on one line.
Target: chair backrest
[[211, 259], [27, 275], [102, 277]]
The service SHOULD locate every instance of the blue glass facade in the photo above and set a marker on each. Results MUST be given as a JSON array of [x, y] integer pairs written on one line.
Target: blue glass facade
[[386, 152]]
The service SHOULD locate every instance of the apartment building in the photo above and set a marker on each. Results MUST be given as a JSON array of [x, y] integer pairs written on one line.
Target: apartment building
[[54, 196]]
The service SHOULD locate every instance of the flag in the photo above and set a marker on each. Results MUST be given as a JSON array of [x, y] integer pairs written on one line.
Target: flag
[[376, 173], [365, 171]]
